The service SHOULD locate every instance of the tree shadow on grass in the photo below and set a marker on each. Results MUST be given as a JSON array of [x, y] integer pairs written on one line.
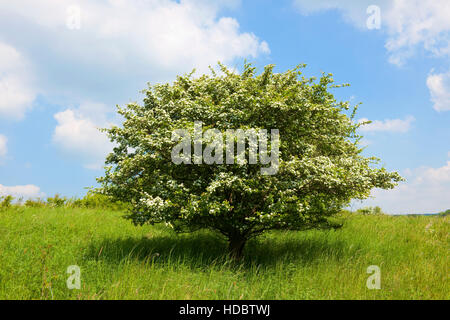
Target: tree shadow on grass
[[202, 250]]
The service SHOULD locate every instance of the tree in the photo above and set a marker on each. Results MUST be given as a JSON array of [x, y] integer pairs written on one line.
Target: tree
[[318, 169]]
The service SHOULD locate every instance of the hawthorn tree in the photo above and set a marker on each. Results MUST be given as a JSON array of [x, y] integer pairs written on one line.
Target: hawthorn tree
[[320, 168]]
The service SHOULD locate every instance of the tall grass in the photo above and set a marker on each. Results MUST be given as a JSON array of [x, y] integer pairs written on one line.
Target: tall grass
[[121, 261]]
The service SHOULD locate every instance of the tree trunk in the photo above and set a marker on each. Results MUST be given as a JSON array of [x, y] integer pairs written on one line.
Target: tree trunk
[[236, 246]]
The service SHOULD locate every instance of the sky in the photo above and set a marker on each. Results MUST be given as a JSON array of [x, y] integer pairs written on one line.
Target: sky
[[65, 65]]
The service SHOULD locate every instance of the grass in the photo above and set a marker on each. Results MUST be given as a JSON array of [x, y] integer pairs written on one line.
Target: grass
[[121, 261]]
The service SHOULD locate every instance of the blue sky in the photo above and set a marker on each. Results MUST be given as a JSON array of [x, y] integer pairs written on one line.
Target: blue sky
[[64, 65]]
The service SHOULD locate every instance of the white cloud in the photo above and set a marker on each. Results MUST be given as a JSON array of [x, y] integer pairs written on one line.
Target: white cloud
[[426, 190], [117, 47], [25, 191], [416, 24], [121, 45], [409, 24], [439, 86], [3, 147], [16, 92], [78, 135], [387, 125]]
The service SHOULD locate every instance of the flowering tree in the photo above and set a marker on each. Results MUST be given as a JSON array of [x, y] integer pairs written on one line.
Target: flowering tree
[[319, 168]]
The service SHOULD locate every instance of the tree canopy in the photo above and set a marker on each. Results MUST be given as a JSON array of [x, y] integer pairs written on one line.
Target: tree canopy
[[319, 169]]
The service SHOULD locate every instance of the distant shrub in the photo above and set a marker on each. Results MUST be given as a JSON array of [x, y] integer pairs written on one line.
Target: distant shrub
[[345, 213], [92, 200], [95, 200], [370, 210], [56, 201], [6, 201], [38, 203], [445, 213]]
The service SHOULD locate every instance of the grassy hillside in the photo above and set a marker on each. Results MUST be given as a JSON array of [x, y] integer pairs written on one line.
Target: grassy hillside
[[121, 261]]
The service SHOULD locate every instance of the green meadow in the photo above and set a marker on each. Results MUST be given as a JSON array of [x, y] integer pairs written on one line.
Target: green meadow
[[118, 260]]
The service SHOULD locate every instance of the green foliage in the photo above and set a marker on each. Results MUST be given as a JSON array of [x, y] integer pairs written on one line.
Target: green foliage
[[320, 166], [445, 213], [6, 201], [35, 203], [56, 201], [91, 200], [95, 200], [370, 210]]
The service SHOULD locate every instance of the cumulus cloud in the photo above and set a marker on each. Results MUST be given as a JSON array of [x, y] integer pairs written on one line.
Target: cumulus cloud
[[112, 48], [3, 147], [25, 191], [16, 91], [416, 24], [107, 51], [77, 134], [439, 86], [409, 24], [425, 191], [388, 125]]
